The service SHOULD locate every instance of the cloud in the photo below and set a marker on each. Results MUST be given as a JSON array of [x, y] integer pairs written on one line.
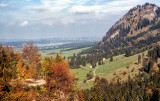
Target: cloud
[[82, 10], [56, 5], [39, 8], [48, 22], [24, 23], [73, 16], [67, 20], [10, 24], [105, 7], [3, 5], [116, 9]]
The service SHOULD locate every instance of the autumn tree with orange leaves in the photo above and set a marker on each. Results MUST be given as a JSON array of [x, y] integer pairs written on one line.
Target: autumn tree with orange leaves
[[63, 78], [60, 81], [32, 59]]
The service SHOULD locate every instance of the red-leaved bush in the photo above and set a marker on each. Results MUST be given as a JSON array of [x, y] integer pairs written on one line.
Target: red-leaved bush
[[62, 76]]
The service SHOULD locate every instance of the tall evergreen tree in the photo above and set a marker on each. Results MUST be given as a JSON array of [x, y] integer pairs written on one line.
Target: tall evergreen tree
[[5, 73], [96, 91], [139, 59]]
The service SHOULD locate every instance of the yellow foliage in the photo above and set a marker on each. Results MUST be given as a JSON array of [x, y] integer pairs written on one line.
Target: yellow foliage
[[21, 71], [47, 64], [32, 70], [17, 96], [2, 85]]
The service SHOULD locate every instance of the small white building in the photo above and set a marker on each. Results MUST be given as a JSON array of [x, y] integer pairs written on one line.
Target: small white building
[[104, 59]]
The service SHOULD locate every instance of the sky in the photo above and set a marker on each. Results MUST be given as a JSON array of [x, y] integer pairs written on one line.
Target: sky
[[39, 19]]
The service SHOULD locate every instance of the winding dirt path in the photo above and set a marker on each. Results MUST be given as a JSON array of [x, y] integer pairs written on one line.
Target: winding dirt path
[[94, 72]]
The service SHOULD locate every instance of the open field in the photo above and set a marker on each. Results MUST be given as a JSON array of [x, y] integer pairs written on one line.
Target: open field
[[62, 52], [49, 51], [117, 63], [81, 75], [110, 70]]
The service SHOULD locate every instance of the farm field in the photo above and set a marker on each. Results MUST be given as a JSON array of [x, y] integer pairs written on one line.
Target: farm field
[[62, 52]]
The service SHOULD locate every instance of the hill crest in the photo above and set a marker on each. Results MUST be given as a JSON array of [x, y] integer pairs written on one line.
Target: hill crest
[[138, 20]]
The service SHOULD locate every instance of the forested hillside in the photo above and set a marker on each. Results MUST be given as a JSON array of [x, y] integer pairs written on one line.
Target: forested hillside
[[143, 87], [137, 29]]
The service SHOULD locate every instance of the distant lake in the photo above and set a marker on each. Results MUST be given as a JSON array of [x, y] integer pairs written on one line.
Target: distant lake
[[51, 44]]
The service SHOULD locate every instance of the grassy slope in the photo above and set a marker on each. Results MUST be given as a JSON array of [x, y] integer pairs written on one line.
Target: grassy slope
[[114, 70], [119, 62], [81, 75], [118, 65]]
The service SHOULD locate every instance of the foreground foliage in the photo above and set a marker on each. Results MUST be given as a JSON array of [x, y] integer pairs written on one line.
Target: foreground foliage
[[28, 65]]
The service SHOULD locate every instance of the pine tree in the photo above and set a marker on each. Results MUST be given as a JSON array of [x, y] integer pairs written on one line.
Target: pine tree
[[5, 66], [111, 59], [5, 73], [142, 55], [64, 57], [96, 91], [58, 59], [139, 59], [150, 65]]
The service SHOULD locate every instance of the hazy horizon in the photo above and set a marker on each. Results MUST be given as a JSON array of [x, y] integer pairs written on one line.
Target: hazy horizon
[[40, 19], [65, 38]]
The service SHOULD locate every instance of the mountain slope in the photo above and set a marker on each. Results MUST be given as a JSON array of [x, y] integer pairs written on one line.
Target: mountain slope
[[132, 34], [138, 28]]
